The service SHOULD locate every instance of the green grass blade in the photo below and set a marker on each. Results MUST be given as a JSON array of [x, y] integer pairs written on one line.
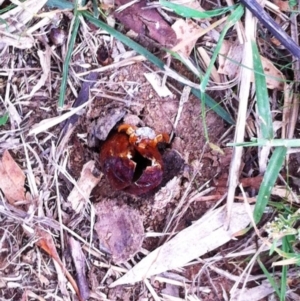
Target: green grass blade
[[67, 61], [95, 9], [271, 174], [285, 248], [211, 103], [2, 21], [3, 119], [7, 8], [262, 97], [187, 12], [61, 4], [232, 19], [265, 142], [154, 60], [216, 107], [269, 277], [127, 41]]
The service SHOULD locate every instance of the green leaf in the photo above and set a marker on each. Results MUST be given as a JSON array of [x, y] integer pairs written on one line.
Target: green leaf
[[283, 277], [61, 4], [127, 41], [216, 107], [271, 174], [187, 12], [262, 97], [269, 276], [67, 62], [232, 19], [266, 142], [3, 119], [95, 9]]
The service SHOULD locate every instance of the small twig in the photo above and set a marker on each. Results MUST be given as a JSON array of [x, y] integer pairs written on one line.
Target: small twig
[[183, 99]]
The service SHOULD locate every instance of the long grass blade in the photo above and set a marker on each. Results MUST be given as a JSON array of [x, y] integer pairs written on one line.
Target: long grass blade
[[67, 61], [188, 12], [262, 97], [61, 4], [271, 174], [4, 119], [232, 19], [269, 276], [265, 142]]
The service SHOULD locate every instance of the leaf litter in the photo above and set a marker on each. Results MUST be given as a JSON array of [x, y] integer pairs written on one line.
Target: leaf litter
[[78, 202]]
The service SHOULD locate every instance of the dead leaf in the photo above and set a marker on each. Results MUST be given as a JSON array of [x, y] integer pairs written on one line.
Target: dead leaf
[[283, 192], [146, 21], [45, 57], [231, 66], [274, 77], [87, 181], [12, 179], [156, 82], [283, 5], [230, 58], [253, 294], [120, 230], [184, 29], [45, 242], [206, 234]]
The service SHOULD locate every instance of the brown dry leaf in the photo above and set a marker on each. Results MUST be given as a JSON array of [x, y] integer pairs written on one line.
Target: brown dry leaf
[[12, 179], [120, 230], [283, 192], [157, 83], [89, 178], [283, 5], [146, 21], [185, 29], [206, 234], [45, 57], [259, 292], [195, 5], [234, 53], [45, 242], [231, 66]]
